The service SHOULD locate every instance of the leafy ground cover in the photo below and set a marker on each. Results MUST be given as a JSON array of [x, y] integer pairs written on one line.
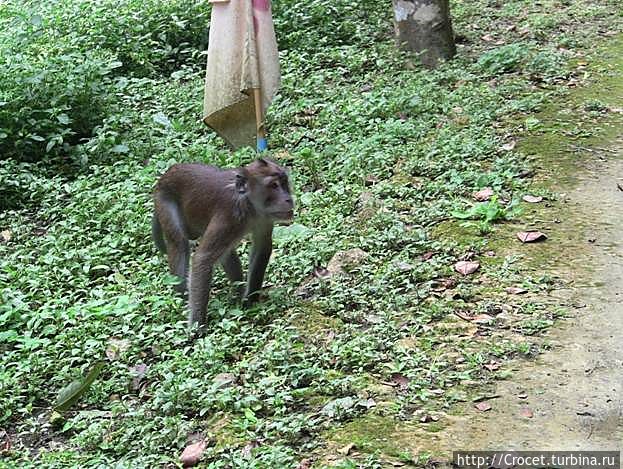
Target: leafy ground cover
[[365, 315]]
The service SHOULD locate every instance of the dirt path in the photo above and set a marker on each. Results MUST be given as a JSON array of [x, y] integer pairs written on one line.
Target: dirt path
[[575, 390]]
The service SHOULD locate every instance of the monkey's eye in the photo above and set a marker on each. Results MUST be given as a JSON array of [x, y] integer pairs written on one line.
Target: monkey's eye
[[274, 185]]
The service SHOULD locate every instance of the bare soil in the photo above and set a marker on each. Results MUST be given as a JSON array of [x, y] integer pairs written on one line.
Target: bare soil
[[570, 398]]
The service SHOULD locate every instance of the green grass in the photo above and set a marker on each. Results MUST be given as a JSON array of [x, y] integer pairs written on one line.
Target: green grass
[[360, 124]]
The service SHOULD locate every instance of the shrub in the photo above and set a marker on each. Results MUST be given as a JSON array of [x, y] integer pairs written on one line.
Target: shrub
[[148, 37], [503, 59], [307, 26], [21, 184], [49, 102]]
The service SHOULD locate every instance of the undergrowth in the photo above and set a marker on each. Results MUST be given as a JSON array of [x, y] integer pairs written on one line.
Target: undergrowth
[[99, 98]]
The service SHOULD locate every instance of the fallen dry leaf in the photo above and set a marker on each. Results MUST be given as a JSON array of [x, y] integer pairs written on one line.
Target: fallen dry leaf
[[192, 453], [466, 267], [483, 406], [531, 236], [492, 366], [401, 380], [427, 255], [305, 464], [526, 412], [509, 146], [246, 451], [321, 272], [522, 395], [5, 441], [482, 318], [346, 449], [483, 194], [532, 199], [443, 284], [463, 315], [516, 290], [5, 235], [426, 418]]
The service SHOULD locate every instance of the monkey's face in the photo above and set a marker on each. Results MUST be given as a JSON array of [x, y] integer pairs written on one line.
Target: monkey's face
[[269, 188]]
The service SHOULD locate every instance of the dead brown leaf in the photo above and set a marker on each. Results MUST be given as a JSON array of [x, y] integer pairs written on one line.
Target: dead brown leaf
[[321, 272], [531, 236], [346, 449], [426, 418], [443, 284], [5, 235], [526, 412], [246, 451], [401, 380], [466, 267], [463, 315], [482, 318], [483, 194], [427, 255], [483, 406], [532, 199], [305, 464], [492, 366], [509, 146], [5, 441], [516, 290], [193, 453]]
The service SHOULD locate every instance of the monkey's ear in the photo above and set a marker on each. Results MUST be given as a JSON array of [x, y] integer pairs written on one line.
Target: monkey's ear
[[242, 182], [263, 161]]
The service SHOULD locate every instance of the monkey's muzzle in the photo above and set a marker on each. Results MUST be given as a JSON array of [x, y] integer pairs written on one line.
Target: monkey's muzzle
[[285, 216]]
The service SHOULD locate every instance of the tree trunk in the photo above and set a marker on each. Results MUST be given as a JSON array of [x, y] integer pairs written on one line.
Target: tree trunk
[[424, 26]]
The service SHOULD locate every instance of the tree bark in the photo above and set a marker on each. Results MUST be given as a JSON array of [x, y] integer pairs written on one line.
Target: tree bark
[[424, 26]]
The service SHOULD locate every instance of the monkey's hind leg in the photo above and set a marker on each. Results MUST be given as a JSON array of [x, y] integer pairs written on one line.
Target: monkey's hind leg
[[156, 234], [177, 243]]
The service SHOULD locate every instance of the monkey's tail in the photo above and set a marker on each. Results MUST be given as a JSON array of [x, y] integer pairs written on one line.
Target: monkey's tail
[[157, 236]]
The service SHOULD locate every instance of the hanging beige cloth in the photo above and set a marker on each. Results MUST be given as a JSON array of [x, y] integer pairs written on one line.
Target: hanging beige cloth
[[242, 56]]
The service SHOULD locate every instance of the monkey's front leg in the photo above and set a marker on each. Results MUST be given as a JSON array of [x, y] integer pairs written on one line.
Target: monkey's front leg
[[260, 255]]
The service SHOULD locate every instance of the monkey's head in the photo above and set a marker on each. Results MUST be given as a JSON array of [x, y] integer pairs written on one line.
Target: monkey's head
[[266, 186]]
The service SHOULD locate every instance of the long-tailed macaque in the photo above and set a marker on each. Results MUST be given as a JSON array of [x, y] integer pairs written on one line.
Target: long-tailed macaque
[[220, 206]]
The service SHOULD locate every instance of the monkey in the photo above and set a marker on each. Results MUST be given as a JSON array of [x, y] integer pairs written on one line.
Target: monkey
[[220, 206]]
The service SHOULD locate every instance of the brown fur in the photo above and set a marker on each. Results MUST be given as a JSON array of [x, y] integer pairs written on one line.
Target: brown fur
[[220, 206]]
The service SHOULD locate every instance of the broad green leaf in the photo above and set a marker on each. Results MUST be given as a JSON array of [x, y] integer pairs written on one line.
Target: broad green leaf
[[69, 395]]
